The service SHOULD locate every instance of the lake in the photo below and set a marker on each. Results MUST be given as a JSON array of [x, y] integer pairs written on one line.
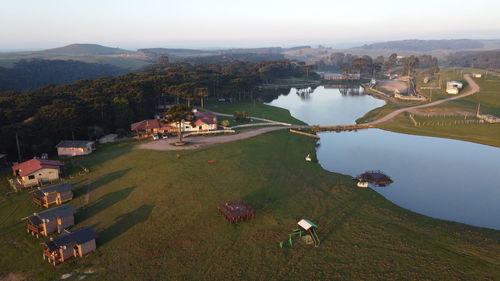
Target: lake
[[441, 178]]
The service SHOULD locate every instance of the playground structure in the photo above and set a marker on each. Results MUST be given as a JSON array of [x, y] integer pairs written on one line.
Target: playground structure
[[306, 232], [236, 211]]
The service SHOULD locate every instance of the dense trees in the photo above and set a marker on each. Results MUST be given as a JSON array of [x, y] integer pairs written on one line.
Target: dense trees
[[88, 109], [486, 59], [35, 73]]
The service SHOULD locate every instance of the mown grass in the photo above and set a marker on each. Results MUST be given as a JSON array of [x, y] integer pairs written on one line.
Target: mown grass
[[157, 220], [255, 109]]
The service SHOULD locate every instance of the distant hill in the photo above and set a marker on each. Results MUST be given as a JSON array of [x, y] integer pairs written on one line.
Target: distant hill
[[415, 45], [85, 50], [91, 53]]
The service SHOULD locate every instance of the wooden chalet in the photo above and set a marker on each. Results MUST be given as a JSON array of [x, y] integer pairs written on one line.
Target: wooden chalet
[[50, 221], [236, 211], [53, 195], [70, 244], [36, 172]]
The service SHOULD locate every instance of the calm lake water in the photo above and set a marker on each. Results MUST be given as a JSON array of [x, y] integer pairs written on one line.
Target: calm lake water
[[441, 178]]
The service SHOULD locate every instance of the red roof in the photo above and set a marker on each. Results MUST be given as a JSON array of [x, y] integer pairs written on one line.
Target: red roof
[[33, 165], [205, 117], [145, 125]]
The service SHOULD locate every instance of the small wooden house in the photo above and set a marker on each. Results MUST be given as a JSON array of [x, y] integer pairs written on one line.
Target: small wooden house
[[36, 172], [53, 195], [70, 244], [146, 128], [75, 148], [50, 221]]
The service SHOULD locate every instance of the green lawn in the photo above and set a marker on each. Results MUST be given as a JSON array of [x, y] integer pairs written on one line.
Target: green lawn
[[255, 109], [157, 220]]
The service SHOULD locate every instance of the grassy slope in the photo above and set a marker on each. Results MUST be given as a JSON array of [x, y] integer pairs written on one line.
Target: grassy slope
[[157, 219], [255, 109]]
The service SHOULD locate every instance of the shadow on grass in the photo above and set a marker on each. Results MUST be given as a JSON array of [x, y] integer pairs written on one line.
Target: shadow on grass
[[103, 203], [107, 178], [125, 222]]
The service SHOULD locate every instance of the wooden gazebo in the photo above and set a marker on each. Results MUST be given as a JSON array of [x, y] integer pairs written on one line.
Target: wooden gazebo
[[236, 211]]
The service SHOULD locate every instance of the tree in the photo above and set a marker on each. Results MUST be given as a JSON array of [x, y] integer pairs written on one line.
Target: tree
[[179, 114], [225, 123], [202, 93]]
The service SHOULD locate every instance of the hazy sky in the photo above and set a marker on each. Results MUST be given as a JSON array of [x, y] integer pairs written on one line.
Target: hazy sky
[[237, 23]]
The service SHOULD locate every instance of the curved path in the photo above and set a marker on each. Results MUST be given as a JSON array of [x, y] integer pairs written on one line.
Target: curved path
[[202, 141], [474, 88]]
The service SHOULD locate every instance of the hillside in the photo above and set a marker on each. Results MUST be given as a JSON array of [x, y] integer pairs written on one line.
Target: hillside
[[415, 45], [85, 50]]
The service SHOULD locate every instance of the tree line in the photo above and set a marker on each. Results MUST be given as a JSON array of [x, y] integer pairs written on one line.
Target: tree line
[[89, 109]]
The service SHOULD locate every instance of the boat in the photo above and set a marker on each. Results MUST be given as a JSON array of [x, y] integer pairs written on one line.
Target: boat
[[362, 184]]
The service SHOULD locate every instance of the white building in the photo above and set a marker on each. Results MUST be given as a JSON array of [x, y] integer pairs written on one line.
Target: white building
[[453, 87], [74, 148]]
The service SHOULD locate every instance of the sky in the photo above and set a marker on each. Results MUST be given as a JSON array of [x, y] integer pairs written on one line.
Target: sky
[[131, 24]]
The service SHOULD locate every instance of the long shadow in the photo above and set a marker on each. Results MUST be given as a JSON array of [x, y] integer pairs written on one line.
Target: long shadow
[[124, 223], [102, 203], [107, 178]]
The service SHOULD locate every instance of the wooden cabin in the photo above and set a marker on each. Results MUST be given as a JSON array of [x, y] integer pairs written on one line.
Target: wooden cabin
[[70, 244], [36, 172], [53, 195], [51, 221], [75, 147]]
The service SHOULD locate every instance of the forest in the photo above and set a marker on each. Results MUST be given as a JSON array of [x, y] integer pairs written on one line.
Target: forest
[[35, 73], [485, 59], [88, 109]]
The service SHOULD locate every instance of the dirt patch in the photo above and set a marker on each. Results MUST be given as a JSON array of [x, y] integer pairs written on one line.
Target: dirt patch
[[202, 141], [13, 277], [392, 85]]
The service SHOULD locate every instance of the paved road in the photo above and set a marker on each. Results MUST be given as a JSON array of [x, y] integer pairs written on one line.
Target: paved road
[[474, 88]]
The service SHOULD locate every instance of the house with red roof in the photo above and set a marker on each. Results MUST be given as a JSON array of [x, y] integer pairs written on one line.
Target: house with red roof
[[146, 128], [37, 171], [204, 121]]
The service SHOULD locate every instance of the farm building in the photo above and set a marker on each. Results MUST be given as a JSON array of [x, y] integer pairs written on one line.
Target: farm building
[[477, 75], [108, 138], [36, 172], [338, 76], [53, 195], [70, 244], [50, 221], [75, 148], [146, 128], [204, 121], [453, 87]]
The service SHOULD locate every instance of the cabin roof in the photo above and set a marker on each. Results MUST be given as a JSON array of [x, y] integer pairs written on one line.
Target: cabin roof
[[59, 188], [33, 165], [74, 143], [79, 237], [50, 214]]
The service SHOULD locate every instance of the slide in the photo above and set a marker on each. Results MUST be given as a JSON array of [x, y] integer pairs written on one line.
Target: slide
[[314, 237]]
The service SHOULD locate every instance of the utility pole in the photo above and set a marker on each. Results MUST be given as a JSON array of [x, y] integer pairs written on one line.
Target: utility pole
[[18, 148]]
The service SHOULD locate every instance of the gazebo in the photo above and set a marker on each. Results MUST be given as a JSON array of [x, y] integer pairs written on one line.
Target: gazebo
[[236, 211]]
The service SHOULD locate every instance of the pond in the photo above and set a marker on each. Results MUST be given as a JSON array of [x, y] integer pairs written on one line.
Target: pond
[[441, 178]]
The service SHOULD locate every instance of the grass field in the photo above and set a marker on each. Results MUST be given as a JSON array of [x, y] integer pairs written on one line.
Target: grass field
[[157, 220], [488, 97]]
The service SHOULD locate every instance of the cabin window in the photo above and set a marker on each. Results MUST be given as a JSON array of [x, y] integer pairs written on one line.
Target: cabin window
[[30, 177]]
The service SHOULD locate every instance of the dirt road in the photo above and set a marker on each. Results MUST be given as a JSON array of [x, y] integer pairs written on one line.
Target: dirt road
[[202, 141], [474, 88]]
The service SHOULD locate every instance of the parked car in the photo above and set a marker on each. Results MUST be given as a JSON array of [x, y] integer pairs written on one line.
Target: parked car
[[156, 137], [164, 136]]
